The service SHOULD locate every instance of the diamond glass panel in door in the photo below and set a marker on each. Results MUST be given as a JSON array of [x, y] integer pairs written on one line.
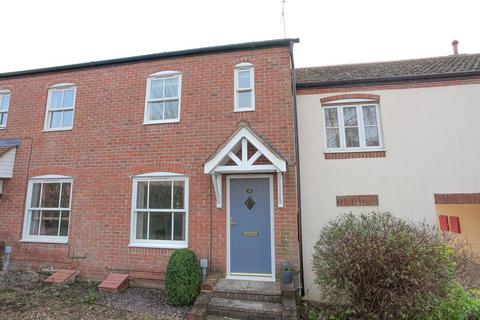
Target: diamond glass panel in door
[[249, 203], [370, 122], [4, 104], [351, 127], [332, 128]]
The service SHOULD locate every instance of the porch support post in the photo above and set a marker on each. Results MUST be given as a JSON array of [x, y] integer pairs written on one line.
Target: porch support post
[[217, 186], [280, 188]]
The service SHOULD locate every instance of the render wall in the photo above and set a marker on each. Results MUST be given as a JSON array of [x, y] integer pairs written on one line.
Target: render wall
[[431, 139]]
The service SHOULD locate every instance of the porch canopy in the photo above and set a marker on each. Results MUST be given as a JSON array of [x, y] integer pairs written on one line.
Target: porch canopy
[[8, 150], [245, 152]]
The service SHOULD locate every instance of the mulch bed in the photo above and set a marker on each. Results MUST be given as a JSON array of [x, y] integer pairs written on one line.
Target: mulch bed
[[23, 295]]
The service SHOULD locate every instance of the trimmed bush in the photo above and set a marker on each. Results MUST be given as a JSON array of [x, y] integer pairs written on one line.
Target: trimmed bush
[[381, 267], [183, 279]]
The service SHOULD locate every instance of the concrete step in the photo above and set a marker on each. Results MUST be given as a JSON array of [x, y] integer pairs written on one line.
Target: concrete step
[[114, 283], [62, 276], [244, 309], [248, 290]]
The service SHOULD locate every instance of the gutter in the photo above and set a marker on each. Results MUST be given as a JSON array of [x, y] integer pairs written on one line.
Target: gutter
[[297, 156], [380, 81], [155, 56]]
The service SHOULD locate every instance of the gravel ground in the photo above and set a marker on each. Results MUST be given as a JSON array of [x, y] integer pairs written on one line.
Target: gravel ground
[[24, 296]]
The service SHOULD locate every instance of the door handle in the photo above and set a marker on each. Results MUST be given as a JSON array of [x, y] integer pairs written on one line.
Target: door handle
[[232, 222]]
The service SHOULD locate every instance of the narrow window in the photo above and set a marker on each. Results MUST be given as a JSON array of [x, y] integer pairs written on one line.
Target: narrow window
[[352, 127], [4, 104], [163, 98], [244, 87], [160, 212], [60, 107], [48, 210]]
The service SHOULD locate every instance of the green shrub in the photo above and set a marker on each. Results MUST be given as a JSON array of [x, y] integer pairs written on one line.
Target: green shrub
[[183, 278], [382, 266], [459, 304]]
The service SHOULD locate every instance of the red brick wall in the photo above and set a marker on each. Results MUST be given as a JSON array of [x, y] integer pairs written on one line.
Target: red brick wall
[[108, 145]]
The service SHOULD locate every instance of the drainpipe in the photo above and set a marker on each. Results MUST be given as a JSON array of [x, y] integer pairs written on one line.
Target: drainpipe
[[297, 156]]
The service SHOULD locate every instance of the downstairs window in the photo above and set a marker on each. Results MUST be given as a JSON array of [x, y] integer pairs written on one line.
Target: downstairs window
[[160, 211]]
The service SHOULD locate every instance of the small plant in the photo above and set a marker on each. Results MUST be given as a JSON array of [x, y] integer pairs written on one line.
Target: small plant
[[92, 297], [183, 278]]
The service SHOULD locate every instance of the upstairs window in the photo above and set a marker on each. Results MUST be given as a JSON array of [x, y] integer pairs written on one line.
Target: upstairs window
[[60, 107], [4, 103], [48, 209], [244, 87], [163, 98], [352, 127]]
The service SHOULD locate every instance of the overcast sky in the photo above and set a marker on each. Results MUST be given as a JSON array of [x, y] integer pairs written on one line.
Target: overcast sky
[[43, 33]]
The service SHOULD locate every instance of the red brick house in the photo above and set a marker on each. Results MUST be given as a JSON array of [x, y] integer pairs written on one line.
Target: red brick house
[[110, 166]]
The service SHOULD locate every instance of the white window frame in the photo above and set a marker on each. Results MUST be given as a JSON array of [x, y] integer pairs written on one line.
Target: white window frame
[[54, 88], [243, 67], [27, 218], [156, 76], [361, 127], [154, 177], [2, 94]]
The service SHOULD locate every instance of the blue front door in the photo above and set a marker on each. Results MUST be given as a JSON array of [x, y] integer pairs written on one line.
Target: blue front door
[[250, 229]]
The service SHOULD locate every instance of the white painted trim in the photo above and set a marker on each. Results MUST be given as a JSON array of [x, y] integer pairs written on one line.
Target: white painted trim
[[166, 73], [244, 67], [167, 244], [62, 85], [156, 76], [361, 129], [1, 186], [160, 174], [280, 189], [272, 227], [335, 102], [26, 237], [213, 165], [59, 87], [217, 186], [5, 91], [252, 169], [50, 176]]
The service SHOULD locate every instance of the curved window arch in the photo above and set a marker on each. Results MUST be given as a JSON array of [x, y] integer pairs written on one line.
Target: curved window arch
[[163, 97], [159, 210], [244, 82], [4, 106], [60, 107], [48, 208]]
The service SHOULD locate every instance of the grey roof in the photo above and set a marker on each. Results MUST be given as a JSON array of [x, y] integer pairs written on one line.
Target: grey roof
[[156, 56], [413, 69]]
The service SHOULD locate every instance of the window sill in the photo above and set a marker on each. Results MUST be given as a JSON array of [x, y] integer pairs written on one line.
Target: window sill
[[3, 128], [161, 122], [158, 245], [355, 154], [57, 129], [58, 240], [243, 110]]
